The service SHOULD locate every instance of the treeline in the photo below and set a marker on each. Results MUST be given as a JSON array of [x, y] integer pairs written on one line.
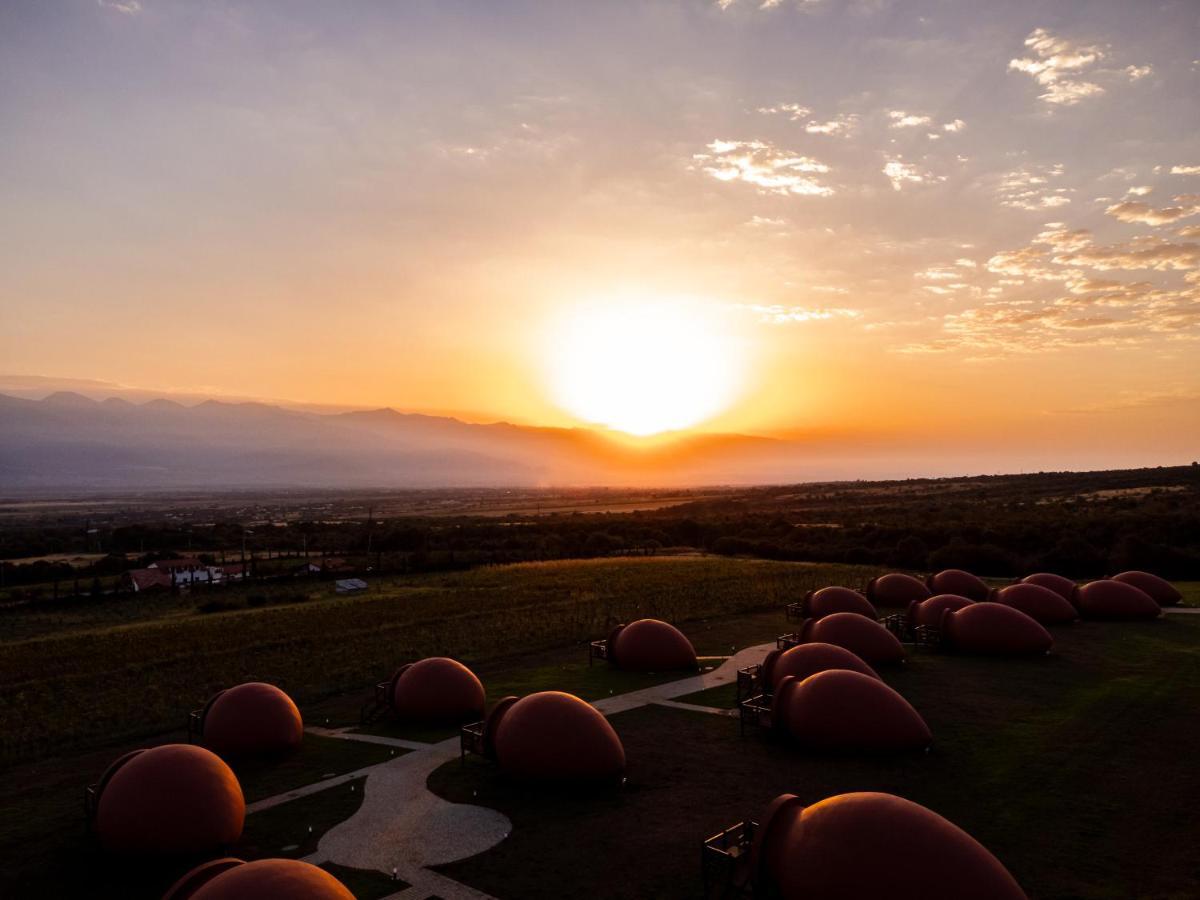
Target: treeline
[[1080, 524]]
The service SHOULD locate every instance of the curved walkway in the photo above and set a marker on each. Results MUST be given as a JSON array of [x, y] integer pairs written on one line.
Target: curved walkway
[[402, 828]]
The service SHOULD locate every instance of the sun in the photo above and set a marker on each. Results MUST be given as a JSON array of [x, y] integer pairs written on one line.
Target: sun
[[644, 365]]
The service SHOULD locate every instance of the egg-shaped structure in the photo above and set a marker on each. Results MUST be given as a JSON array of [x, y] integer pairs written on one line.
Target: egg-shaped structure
[[957, 581], [830, 600], [552, 736], [843, 710], [869, 641], [1160, 590], [816, 853], [994, 629], [1037, 602], [1061, 585], [263, 879], [172, 800], [808, 659], [929, 612], [252, 719], [1108, 599], [896, 589], [651, 645], [437, 689]]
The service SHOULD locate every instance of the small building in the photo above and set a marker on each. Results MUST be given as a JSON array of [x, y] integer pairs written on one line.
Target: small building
[[349, 585], [138, 580]]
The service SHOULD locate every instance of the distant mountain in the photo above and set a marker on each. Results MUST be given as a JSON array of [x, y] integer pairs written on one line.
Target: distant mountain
[[68, 440]]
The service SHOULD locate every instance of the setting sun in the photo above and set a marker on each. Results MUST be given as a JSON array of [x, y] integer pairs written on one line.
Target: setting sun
[[644, 365]]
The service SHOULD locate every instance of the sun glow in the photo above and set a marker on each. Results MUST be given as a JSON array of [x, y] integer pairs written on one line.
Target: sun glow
[[644, 365]]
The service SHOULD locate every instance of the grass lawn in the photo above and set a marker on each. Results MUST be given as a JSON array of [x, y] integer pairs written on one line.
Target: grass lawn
[[1077, 770]]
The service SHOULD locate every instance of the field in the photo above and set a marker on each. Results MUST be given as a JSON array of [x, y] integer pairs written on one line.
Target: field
[[99, 683], [1077, 770], [1071, 768]]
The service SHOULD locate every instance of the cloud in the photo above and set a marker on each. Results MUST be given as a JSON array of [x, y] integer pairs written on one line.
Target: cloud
[[1144, 214], [1189, 231], [793, 111], [1185, 170], [1137, 73], [1146, 252], [127, 7], [1029, 188], [901, 119], [776, 314], [955, 126], [768, 168], [1056, 65], [900, 173], [841, 125]]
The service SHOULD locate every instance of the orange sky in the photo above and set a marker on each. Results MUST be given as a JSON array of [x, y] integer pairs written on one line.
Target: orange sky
[[984, 231]]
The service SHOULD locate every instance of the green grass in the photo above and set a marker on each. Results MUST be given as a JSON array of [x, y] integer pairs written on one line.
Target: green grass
[[94, 685], [1076, 769], [293, 829], [1190, 591]]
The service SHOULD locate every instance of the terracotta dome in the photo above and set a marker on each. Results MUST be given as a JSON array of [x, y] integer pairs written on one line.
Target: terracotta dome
[[552, 736], [957, 581], [173, 800], [829, 600], [1160, 590], [869, 641], [817, 853], [1037, 602], [251, 719], [1062, 586], [929, 612], [437, 689], [809, 659], [994, 629], [1108, 599], [650, 645], [896, 589], [264, 879], [843, 710]]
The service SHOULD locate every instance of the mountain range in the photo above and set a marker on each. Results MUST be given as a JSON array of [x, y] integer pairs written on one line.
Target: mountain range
[[70, 441]]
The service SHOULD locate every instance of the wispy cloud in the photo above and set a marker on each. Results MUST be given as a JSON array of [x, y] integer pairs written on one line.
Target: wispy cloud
[[901, 119], [1057, 64], [777, 314], [1031, 188], [900, 173], [1185, 170], [127, 7], [1143, 213], [767, 167]]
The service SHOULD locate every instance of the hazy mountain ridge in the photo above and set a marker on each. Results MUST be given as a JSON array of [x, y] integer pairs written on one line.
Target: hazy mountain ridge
[[70, 440]]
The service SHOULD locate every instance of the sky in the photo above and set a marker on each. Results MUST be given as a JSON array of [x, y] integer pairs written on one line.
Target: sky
[[970, 224]]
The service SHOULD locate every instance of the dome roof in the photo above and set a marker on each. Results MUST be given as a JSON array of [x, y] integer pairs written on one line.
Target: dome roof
[[553, 736], [915, 854], [1061, 585], [264, 879], [1160, 590], [177, 799], [437, 689], [1038, 602], [651, 645], [868, 640], [843, 710], [809, 659], [996, 629], [1108, 599], [830, 600], [896, 589], [252, 719], [956, 581], [929, 612]]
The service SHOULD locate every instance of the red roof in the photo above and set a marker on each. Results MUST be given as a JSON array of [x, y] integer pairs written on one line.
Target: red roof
[[144, 579]]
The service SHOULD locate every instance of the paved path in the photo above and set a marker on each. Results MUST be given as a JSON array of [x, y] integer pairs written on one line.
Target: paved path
[[1181, 610], [403, 828]]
